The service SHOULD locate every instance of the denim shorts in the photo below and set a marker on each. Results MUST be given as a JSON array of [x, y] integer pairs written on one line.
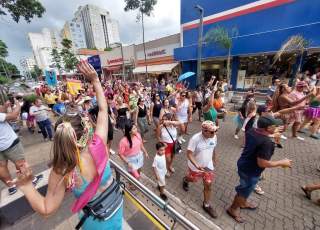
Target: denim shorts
[[136, 161], [247, 184]]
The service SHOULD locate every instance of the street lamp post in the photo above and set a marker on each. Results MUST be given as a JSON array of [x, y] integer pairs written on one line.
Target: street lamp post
[[200, 35]]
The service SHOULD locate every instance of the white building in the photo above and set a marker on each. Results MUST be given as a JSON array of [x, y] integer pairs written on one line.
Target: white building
[[42, 45], [100, 30], [28, 63], [74, 31]]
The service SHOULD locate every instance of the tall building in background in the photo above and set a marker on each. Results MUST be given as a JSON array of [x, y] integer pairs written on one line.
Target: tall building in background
[[99, 28], [74, 31], [42, 45]]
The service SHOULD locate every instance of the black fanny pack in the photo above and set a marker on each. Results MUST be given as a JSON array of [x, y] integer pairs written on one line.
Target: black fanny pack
[[105, 205]]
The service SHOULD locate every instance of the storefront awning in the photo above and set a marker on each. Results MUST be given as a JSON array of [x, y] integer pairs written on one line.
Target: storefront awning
[[113, 68], [156, 69]]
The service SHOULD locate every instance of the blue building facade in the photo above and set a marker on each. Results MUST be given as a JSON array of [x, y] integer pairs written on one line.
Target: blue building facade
[[262, 27]]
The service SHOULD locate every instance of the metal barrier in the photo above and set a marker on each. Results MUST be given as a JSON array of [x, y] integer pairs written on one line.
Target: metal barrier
[[176, 216]]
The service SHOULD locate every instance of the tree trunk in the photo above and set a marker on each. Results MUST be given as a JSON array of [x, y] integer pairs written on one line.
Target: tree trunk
[[144, 46], [228, 66]]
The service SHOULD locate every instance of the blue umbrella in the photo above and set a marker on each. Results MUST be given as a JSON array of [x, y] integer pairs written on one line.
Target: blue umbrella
[[185, 76]]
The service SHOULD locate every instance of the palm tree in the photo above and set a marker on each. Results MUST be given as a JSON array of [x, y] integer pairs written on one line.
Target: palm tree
[[221, 37], [295, 44], [3, 49], [145, 7]]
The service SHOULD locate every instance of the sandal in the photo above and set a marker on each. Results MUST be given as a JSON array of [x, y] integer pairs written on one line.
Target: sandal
[[258, 190], [237, 218], [172, 170], [250, 206], [306, 192]]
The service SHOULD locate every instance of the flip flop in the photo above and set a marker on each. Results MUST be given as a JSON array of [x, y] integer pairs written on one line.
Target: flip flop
[[307, 193], [250, 207], [238, 219]]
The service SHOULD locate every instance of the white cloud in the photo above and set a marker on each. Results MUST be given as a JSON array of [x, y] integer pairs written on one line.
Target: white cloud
[[165, 20]]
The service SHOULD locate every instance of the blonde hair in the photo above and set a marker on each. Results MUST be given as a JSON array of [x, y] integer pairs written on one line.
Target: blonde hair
[[65, 152]]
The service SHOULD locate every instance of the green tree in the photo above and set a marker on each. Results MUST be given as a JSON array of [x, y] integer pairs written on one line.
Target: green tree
[[3, 50], [7, 68], [145, 7], [221, 37], [28, 9], [294, 44], [69, 59], [56, 58], [36, 72]]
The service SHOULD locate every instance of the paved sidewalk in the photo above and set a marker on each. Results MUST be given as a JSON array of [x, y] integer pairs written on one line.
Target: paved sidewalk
[[282, 207]]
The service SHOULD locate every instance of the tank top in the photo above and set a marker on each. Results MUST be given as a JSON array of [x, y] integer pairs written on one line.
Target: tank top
[[142, 112], [122, 112], [156, 109], [183, 109], [211, 115]]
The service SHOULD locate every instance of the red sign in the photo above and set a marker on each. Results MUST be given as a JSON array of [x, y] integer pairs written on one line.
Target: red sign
[[157, 53], [113, 61]]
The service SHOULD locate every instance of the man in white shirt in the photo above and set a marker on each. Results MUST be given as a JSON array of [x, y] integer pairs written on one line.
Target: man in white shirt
[[10, 145], [201, 161], [40, 112]]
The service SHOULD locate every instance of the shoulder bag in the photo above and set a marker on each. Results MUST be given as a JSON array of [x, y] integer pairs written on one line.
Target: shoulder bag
[[177, 147]]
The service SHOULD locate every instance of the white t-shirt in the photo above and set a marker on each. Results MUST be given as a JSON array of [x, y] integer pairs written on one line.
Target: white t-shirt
[[165, 137], [41, 113], [7, 135], [202, 149], [159, 163]]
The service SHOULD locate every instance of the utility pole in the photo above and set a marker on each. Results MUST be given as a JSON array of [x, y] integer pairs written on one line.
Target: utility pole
[[200, 35], [144, 46]]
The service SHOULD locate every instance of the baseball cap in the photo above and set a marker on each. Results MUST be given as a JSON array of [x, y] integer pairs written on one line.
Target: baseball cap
[[268, 120], [262, 109]]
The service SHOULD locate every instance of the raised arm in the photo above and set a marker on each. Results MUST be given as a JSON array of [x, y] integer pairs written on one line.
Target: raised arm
[[102, 120]]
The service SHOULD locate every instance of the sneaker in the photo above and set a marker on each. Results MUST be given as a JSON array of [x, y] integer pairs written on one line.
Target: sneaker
[[36, 179], [210, 211], [163, 197], [12, 190], [112, 152], [185, 185], [236, 136], [300, 138], [283, 137], [315, 137]]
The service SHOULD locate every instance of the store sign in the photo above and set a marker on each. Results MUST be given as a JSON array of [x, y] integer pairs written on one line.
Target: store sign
[[115, 61], [157, 53]]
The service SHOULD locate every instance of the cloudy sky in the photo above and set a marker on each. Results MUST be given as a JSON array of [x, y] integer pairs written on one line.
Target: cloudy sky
[[164, 21]]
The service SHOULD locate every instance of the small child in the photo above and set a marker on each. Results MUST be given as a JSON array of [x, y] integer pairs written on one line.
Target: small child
[[160, 168]]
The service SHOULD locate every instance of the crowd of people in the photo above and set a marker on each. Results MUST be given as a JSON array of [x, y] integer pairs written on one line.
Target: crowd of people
[[84, 126]]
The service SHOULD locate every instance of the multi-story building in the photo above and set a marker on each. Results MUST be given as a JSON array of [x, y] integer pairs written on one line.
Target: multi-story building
[[100, 30], [42, 45], [28, 63], [74, 31]]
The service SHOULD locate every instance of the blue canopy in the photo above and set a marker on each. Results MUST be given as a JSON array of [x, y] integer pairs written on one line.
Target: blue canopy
[[185, 76]]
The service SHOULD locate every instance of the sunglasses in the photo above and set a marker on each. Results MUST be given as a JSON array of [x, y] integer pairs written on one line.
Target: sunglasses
[[208, 131], [183, 95]]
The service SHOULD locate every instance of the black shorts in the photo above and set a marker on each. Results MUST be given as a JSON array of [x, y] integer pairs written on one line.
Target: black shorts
[[110, 133], [198, 105]]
